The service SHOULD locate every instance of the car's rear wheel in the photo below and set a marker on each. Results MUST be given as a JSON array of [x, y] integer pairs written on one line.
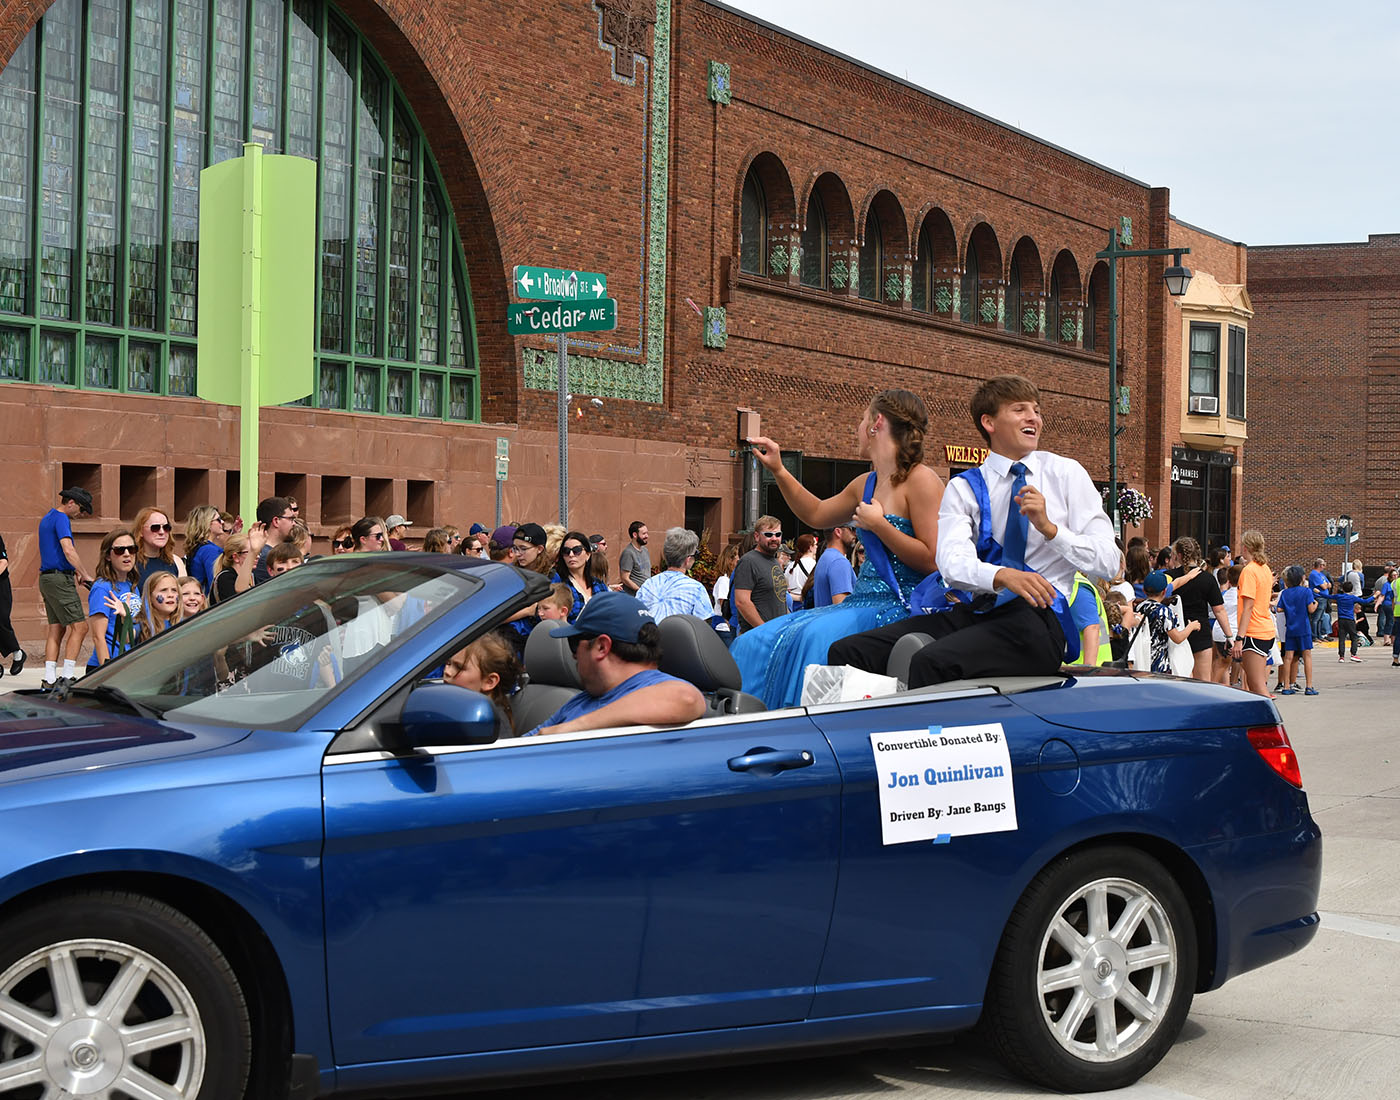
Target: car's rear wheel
[[111, 994], [1095, 972]]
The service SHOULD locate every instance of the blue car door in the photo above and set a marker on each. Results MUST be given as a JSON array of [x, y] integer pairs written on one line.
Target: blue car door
[[916, 924], [596, 886]]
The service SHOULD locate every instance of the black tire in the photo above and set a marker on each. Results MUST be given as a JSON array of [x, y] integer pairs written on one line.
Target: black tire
[[133, 965], [1098, 1007]]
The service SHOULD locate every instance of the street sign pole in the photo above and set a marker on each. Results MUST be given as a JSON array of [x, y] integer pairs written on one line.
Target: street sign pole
[[564, 429]]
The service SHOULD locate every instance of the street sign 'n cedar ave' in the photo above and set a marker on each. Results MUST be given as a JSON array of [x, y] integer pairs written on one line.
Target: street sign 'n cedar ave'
[[535, 318], [553, 284]]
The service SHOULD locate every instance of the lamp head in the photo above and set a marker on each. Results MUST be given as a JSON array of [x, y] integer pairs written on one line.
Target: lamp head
[[1177, 278]]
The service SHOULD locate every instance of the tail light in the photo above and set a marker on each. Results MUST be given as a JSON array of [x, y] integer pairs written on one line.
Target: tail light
[[1272, 743]]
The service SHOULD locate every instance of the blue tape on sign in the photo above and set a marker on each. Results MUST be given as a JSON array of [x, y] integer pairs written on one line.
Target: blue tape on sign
[[934, 731], [942, 838]]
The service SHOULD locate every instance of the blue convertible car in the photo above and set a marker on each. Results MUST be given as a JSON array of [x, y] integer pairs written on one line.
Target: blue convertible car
[[267, 854]]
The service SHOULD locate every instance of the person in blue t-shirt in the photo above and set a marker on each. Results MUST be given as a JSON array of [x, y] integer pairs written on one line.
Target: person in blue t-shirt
[[1346, 601], [1298, 604], [617, 646], [204, 543], [114, 603], [60, 571], [1321, 584], [833, 578]]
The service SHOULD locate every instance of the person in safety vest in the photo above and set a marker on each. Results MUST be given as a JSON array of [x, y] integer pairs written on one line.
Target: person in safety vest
[[1087, 611]]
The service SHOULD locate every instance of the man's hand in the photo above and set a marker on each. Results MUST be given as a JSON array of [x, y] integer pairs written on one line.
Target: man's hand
[[1032, 502], [1031, 587]]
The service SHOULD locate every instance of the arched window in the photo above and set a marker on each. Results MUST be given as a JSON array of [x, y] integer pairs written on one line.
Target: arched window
[[970, 280], [814, 244], [128, 100], [1091, 320], [1052, 316], [871, 259], [753, 227]]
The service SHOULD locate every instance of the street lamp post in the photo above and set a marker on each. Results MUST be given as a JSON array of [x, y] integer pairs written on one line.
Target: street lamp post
[[1177, 278]]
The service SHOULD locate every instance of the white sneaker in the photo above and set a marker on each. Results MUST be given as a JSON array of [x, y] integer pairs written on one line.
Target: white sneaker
[[1356, 659]]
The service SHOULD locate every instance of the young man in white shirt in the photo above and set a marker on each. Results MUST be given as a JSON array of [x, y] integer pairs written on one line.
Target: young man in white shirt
[[1010, 627]]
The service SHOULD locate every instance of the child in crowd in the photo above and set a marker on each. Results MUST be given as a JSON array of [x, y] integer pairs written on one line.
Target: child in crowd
[[283, 556], [1298, 605], [1225, 667], [557, 605], [1346, 601], [160, 605], [489, 665], [1086, 608], [192, 600], [1161, 620], [1122, 620]]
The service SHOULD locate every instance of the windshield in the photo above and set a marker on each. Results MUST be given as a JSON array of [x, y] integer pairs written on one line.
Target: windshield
[[276, 653]]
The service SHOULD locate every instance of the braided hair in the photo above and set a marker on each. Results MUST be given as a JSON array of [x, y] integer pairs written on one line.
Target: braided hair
[[908, 420]]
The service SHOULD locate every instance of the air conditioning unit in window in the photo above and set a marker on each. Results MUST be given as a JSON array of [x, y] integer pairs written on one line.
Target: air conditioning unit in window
[[1205, 406]]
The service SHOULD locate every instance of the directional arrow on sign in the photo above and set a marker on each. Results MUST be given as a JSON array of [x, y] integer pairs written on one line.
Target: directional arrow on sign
[[559, 285], [598, 289], [525, 281]]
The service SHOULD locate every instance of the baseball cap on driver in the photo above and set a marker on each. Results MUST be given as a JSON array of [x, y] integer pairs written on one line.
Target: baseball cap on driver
[[79, 496], [615, 614]]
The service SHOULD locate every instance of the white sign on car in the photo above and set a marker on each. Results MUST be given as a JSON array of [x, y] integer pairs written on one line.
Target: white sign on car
[[938, 783]]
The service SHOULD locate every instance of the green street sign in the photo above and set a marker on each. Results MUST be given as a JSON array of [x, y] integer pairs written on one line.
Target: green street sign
[[535, 318], [556, 285]]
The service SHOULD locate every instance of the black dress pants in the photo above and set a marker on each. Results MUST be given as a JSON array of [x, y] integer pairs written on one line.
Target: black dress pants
[[1014, 639], [8, 642]]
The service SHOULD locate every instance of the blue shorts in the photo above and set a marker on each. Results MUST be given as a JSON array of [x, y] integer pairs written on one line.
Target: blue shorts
[[1297, 643]]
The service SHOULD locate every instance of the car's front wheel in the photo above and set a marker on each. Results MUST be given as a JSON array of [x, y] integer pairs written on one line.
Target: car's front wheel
[[111, 994], [1095, 972]]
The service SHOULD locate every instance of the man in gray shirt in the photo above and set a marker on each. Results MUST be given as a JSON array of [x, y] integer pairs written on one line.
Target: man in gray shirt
[[634, 565], [759, 590]]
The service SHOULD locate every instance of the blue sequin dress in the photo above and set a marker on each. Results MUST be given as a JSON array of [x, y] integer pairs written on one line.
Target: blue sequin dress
[[774, 656]]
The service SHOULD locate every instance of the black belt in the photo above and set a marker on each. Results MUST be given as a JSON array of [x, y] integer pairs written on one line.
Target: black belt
[[70, 572]]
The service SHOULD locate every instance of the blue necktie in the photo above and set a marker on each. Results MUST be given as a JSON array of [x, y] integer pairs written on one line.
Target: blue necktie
[[1013, 539]]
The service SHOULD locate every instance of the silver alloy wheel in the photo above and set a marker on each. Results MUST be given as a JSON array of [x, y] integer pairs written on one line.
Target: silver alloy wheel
[[97, 1018], [1108, 964]]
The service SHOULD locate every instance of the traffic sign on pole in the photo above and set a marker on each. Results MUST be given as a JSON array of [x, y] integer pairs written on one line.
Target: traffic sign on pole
[[534, 318], [559, 285]]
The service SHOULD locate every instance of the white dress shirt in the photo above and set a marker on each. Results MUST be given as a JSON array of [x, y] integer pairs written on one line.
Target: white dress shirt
[[1084, 541]]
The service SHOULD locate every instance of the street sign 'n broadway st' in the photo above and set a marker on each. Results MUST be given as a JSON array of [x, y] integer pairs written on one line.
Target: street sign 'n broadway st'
[[536, 318], [553, 284]]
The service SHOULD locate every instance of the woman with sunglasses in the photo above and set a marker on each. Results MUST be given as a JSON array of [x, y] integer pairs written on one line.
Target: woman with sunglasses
[[575, 568], [155, 551], [342, 542], [204, 542], [114, 601], [369, 534]]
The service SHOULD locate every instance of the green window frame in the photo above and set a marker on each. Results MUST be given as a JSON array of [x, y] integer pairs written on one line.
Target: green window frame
[[1204, 361], [109, 109], [1235, 373]]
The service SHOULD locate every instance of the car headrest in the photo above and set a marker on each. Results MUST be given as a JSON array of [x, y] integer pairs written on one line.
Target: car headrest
[[692, 651], [549, 660]]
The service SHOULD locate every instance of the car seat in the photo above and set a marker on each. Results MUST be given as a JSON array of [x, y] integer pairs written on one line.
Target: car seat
[[903, 653], [551, 679], [692, 651]]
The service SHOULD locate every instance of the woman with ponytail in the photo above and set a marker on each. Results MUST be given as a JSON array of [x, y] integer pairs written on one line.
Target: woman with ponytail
[[895, 511]]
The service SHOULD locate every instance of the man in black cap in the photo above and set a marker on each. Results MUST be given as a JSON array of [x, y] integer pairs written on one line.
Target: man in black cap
[[60, 569], [617, 646]]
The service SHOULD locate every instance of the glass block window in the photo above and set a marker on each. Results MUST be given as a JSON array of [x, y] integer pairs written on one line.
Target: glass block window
[[143, 367], [181, 380], [110, 109], [14, 354], [56, 358], [332, 391], [100, 357]]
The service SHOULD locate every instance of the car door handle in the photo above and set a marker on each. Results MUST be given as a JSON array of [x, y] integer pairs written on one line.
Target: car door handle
[[764, 761]]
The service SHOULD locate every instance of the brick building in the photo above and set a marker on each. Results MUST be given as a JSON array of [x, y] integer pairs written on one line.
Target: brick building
[[1326, 357], [784, 229]]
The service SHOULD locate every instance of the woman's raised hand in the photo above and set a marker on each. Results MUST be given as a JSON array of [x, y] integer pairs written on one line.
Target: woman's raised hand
[[116, 606], [766, 451]]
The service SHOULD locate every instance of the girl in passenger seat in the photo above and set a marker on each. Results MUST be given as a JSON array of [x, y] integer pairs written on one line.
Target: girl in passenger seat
[[488, 665]]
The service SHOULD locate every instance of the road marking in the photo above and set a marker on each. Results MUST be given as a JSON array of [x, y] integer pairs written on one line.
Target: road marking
[[1372, 930]]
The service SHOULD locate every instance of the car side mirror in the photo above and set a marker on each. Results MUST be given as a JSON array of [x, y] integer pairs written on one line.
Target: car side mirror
[[444, 714]]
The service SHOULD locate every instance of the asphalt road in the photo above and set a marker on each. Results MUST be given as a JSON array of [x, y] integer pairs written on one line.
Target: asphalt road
[[1322, 1024]]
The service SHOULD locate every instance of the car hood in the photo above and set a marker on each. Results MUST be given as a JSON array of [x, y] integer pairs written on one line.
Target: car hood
[[1105, 700], [39, 738]]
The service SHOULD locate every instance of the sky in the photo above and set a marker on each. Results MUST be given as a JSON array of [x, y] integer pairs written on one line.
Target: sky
[[1271, 122]]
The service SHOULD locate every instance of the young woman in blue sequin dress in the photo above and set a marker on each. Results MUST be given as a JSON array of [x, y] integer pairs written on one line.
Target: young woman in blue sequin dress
[[899, 512]]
